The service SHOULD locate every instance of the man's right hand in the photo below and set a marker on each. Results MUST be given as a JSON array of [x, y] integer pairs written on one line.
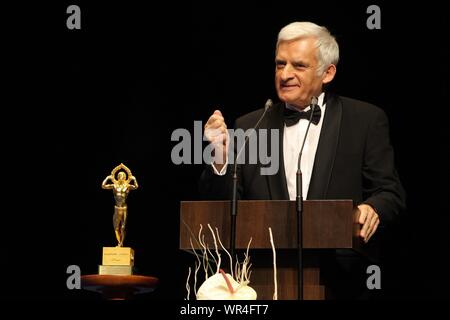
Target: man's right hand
[[217, 134]]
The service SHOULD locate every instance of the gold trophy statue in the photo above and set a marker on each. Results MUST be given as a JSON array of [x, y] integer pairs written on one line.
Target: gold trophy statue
[[119, 260]]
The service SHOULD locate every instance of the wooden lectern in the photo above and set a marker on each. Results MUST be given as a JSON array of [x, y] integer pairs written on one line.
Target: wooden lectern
[[327, 224]]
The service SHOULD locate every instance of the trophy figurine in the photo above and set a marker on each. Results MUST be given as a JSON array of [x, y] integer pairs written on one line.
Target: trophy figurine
[[119, 260]]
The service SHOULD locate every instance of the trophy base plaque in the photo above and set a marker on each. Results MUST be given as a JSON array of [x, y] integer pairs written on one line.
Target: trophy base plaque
[[118, 256], [115, 270], [117, 261]]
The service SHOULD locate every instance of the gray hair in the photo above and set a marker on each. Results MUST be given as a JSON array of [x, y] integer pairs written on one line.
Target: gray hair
[[328, 49]]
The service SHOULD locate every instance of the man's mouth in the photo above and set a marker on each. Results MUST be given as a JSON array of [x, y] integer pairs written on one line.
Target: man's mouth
[[288, 87]]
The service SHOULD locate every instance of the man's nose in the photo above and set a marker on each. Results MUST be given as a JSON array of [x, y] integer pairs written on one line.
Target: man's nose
[[286, 73]]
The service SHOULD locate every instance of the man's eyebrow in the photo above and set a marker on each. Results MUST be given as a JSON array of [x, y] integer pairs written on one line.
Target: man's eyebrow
[[300, 63]]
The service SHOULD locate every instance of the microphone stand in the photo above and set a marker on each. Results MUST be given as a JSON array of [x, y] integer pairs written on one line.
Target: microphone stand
[[299, 208], [268, 104], [233, 210]]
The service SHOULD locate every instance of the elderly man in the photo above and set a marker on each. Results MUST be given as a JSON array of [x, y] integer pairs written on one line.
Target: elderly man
[[347, 153]]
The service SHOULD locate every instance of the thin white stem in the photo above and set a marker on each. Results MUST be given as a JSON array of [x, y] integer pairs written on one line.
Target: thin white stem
[[237, 270], [217, 249], [246, 261], [197, 267], [187, 284], [275, 293], [212, 256], [204, 251], [229, 255]]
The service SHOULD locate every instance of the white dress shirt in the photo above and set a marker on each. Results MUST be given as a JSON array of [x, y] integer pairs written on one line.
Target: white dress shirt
[[292, 142]]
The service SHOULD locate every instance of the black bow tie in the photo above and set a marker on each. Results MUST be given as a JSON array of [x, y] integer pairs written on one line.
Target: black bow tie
[[291, 117]]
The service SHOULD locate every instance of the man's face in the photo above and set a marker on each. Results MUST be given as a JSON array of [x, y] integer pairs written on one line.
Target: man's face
[[296, 78]]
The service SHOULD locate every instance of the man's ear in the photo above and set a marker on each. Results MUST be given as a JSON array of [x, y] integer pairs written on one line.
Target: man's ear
[[329, 74]]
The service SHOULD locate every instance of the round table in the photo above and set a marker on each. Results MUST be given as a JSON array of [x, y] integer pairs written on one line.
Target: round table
[[118, 287]]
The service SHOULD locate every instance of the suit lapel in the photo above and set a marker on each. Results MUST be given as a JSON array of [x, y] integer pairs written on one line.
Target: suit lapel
[[277, 182], [326, 149]]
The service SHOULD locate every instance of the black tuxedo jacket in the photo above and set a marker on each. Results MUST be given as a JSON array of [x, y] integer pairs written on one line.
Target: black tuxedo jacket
[[354, 160]]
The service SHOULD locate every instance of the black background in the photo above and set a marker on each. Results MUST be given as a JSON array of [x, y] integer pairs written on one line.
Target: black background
[[78, 102]]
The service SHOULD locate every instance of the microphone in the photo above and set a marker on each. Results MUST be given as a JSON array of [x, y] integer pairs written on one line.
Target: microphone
[[299, 205], [267, 106]]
